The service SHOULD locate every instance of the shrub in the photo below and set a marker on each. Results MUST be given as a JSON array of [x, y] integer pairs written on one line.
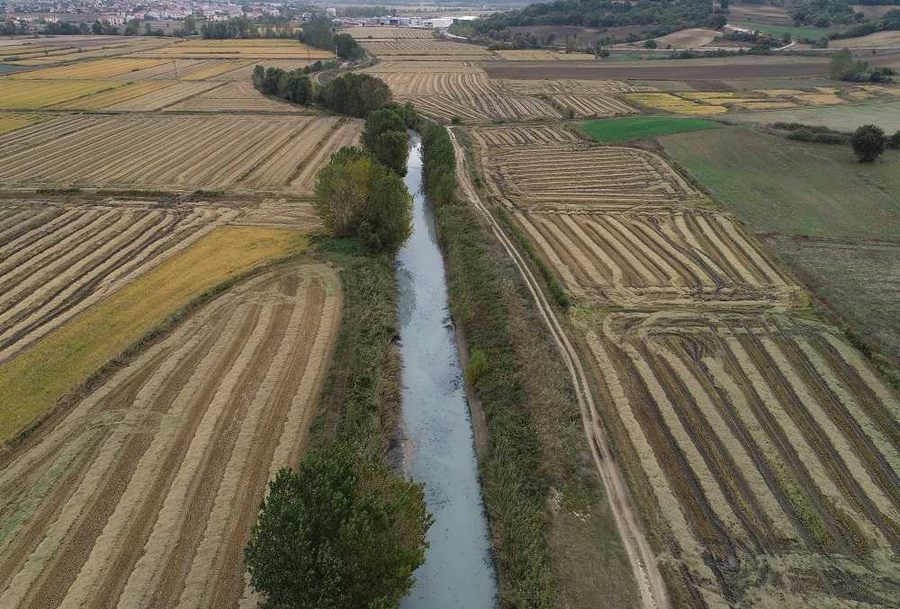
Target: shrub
[[477, 367], [439, 163], [341, 532], [894, 141], [868, 143]]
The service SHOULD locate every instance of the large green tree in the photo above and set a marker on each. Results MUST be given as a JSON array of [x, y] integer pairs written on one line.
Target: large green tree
[[355, 195], [341, 532], [868, 143], [385, 136]]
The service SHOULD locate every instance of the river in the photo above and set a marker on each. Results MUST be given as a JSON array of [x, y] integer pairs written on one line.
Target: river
[[440, 450]]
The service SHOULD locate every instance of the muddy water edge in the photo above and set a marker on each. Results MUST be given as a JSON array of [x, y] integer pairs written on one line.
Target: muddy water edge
[[439, 446]]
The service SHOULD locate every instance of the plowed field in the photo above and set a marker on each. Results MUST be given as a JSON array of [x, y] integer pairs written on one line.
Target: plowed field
[[56, 261], [144, 493], [174, 152]]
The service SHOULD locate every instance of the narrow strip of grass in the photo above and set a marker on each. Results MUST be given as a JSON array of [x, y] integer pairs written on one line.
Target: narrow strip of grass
[[612, 130], [33, 382], [361, 397]]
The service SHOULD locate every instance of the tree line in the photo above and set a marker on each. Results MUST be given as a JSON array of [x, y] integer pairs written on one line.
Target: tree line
[[319, 33], [350, 94]]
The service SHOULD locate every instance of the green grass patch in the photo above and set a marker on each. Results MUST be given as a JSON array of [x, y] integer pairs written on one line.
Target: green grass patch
[[612, 130], [797, 33]]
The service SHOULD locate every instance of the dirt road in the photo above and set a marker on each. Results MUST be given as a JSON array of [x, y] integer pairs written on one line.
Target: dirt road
[[646, 571]]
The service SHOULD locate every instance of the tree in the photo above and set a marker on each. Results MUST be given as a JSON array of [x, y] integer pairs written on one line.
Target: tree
[[385, 137], [845, 67], [342, 532], [190, 25], [868, 143], [650, 44], [355, 94], [295, 87], [356, 195], [346, 47], [317, 33]]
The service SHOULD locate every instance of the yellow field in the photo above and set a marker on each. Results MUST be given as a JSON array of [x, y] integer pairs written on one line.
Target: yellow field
[[672, 103], [254, 48], [97, 68], [11, 122], [218, 68], [35, 381], [110, 97], [15, 94]]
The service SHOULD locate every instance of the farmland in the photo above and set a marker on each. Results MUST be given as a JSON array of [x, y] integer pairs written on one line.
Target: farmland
[[173, 152], [759, 444], [577, 175], [625, 129], [154, 503]]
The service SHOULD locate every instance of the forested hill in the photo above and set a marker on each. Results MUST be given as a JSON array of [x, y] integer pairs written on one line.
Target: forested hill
[[663, 16]]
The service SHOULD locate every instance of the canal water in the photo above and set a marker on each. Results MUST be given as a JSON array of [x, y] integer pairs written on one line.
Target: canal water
[[440, 450]]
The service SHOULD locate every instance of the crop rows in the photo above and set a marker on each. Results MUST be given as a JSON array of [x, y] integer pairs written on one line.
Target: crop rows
[[24, 95], [88, 70], [112, 97], [773, 450], [185, 69], [144, 493], [653, 258], [532, 135], [245, 72], [173, 151], [571, 87], [57, 261], [582, 175], [421, 47], [387, 32], [233, 97], [11, 122], [593, 105]]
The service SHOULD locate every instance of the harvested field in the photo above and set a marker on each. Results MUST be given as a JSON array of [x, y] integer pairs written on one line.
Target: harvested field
[[490, 137], [164, 97], [252, 48], [846, 117], [672, 103], [143, 494], [87, 70], [245, 72], [186, 69], [235, 97], [692, 38], [579, 175], [35, 380], [25, 95], [173, 152], [663, 257], [11, 122], [683, 69], [468, 94], [387, 32], [423, 47], [772, 451], [878, 40], [543, 55], [112, 97], [57, 260]]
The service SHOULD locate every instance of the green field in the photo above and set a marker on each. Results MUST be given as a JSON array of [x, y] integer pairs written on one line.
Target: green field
[[792, 188], [796, 33], [612, 130]]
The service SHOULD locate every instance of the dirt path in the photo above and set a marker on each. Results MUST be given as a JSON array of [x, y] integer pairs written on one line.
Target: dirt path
[[646, 571]]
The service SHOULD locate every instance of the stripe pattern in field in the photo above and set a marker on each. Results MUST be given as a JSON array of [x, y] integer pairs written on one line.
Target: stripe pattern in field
[[762, 448], [771, 446], [174, 152], [580, 175], [465, 93], [665, 257], [586, 98], [144, 493], [57, 260]]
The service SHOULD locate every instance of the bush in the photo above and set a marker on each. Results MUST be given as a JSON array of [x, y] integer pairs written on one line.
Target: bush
[[355, 195], [894, 141], [477, 367], [341, 532], [868, 143]]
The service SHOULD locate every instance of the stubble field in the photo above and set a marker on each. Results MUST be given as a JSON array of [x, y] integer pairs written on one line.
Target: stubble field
[[173, 152], [144, 493], [761, 448]]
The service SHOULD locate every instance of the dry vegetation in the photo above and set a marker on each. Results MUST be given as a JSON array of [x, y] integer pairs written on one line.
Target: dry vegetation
[[173, 152], [253, 48], [424, 47], [538, 172], [761, 448], [460, 91], [57, 260], [387, 32], [145, 491]]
